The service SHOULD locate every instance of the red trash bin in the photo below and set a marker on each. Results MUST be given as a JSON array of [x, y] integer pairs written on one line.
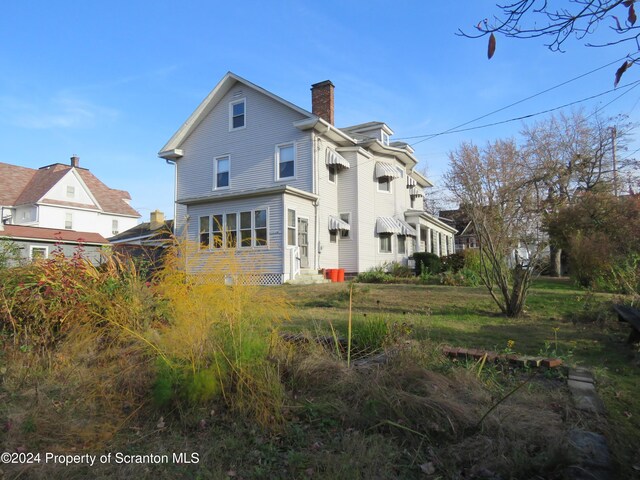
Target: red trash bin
[[340, 275], [333, 274]]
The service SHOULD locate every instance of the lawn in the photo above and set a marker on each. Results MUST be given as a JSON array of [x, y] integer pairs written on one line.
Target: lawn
[[416, 416], [560, 319]]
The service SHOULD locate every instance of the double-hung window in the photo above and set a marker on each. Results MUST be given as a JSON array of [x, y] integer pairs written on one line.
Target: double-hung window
[[221, 167], [384, 184], [217, 231], [237, 114], [291, 227], [204, 232], [245, 229], [231, 230], [68, 221], [285, 161], [345, 217], [260, 227], [385, 243]]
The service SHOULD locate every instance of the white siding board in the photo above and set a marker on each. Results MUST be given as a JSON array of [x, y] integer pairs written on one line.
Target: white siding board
[[252, 260], [251, 149]]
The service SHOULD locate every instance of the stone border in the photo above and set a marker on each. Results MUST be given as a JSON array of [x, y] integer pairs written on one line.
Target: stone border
[[516, 360]]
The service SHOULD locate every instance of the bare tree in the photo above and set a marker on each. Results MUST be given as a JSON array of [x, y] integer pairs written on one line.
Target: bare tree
[[570, 154], [495, 191], [576, 18]]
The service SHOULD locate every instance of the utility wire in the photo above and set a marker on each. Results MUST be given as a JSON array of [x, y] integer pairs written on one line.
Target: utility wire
[[458, 130], [519, 101]]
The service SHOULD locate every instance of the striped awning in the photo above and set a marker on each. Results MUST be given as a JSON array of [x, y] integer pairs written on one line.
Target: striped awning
[[407, 229], [416, 192], [411, 182], [386, 170], [338, 224], [387, 225], [334, 158]]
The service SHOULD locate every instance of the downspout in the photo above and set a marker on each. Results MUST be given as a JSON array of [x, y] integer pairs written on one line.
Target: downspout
[[316, 190], [175, 193]]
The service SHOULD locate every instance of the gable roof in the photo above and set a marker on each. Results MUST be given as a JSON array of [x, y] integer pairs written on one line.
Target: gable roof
[[21, 232], [218, 92], [144, 231], [14, 180], [26, 186]]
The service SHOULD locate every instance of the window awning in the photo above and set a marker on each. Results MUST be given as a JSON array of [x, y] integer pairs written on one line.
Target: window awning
[[416, 192], [411, 182], [386, 170], [337, 224], [335, 159], [407, 229], [387, 225]]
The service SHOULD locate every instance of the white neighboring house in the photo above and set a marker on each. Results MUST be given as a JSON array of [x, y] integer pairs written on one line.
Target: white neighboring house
[[290, 192], [62, 197]]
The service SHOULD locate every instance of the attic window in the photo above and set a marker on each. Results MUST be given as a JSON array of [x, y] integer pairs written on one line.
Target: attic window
[[71, 191], [237, 114], [385, 138]]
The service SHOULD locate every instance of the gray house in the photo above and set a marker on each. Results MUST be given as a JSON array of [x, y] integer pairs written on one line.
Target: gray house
[[288, 193]]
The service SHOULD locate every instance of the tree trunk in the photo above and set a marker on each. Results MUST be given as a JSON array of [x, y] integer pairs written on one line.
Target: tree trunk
[[556, 261]]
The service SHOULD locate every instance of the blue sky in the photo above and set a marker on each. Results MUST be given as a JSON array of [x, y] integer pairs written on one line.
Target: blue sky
[[112, 81]]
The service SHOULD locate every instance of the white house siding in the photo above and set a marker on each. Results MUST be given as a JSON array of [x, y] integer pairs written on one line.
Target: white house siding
[[350, 249], [256, 260], [251, 149], [304, 208], [329, 257], [50, 216], [79, 193]]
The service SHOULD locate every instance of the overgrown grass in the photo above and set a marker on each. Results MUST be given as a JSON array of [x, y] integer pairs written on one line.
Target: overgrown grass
[[191, 365]]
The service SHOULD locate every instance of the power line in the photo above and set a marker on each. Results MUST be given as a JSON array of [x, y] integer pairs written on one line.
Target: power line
[[456, 130], [518, 102]]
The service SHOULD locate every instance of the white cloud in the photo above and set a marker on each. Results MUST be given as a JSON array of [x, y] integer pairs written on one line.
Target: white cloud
[[60, 112]]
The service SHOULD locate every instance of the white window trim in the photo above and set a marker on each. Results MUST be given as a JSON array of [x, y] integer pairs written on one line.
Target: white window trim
[[209, 233], [385, 138], [253, 228], [46, 250], [215, 172], [295, 228], [380, 236], [335, 174], [231, 104], [68, 217], [348, 236], [389, 181], [406, 245], [71, 191], [277, 161]]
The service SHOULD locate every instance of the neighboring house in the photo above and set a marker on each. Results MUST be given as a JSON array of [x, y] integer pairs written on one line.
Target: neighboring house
[[290, 193], [36, 242], [154, 233], [65, 197], [146, 241], [466, 237]]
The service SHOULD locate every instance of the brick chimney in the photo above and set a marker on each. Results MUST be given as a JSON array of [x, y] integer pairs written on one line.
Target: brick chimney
[[322, 100], [157, 220], [75, 161]]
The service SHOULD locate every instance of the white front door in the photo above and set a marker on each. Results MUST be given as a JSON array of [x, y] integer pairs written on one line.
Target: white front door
[[303, 241]]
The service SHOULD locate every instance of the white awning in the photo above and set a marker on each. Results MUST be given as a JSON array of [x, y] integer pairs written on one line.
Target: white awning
[[407, 229], [334, 158], [387, 225], [411, 182], [386, 170], [337, 224], [416, 192]]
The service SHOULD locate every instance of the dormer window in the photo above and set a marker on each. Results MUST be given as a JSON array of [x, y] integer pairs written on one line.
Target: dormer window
[[237, 114], [385, 138]]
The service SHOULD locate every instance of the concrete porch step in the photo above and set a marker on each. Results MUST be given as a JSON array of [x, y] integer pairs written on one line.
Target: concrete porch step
[[308, 277]]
